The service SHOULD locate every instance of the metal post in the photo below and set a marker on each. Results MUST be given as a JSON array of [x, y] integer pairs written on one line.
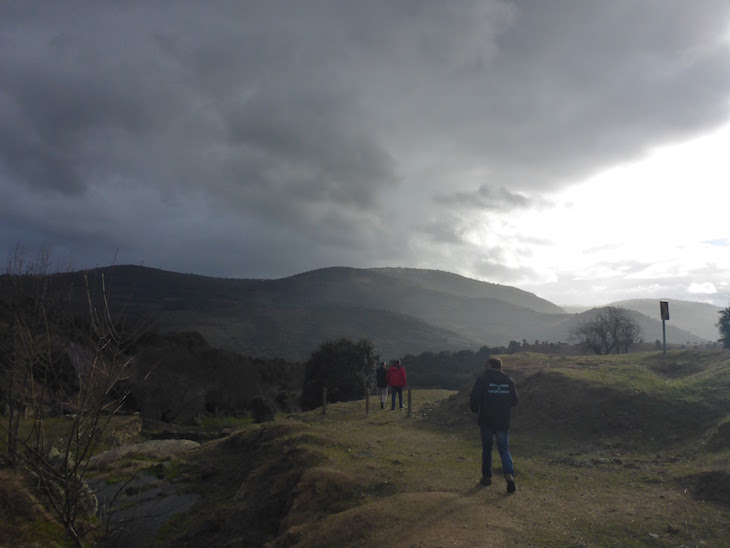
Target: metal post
[[324, 400], [664, 313]]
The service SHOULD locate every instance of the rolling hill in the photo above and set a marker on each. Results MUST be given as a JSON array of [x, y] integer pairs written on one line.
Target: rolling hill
[[401, 310]]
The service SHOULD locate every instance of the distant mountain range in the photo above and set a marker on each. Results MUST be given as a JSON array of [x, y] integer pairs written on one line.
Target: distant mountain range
[[697, 318], [402, 310]]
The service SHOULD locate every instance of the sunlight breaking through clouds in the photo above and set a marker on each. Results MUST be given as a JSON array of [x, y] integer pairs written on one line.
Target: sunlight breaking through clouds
[[706, 288]]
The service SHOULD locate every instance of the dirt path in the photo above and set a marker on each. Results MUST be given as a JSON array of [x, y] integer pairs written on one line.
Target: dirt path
[[388, 478]]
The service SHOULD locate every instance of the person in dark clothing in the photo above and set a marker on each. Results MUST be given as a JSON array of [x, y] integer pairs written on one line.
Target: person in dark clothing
[[382, 379], [397, 382], [493, 396]]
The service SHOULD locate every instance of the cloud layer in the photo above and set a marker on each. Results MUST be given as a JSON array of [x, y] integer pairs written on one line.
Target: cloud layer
[[256, 139]]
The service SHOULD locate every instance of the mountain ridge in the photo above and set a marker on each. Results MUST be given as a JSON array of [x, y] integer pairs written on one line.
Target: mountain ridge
[[696, 317], [401, 310]]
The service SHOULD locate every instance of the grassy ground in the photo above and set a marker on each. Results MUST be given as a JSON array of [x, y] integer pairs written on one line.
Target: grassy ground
[[609, 451], [120, 429]]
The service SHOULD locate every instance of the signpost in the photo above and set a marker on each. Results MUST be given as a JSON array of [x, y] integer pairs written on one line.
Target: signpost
[[664, 311]]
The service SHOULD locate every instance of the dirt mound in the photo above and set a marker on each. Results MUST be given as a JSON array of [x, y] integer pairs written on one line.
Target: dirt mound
[[675, 367], [711, 486], [719, 438], [412, 519], [257, 472], [592, 409], [451, 413], [323, 491], [555, 403], [21, 511]]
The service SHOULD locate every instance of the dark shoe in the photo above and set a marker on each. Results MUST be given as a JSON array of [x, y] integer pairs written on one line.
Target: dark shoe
[[510, 483], [382, 405], [485, 481]]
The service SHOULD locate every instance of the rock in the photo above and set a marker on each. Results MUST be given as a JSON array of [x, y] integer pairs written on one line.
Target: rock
[[158, 449]]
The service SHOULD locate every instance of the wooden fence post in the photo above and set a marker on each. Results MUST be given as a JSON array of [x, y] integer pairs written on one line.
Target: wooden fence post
[[367, 402], [324, 400]]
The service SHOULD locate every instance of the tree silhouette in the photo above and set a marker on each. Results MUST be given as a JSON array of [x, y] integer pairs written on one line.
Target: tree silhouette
[[611, 329], [723, 325], [343, 367]]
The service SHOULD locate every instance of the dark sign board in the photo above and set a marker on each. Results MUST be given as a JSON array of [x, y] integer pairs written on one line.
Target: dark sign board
[[664, 309]]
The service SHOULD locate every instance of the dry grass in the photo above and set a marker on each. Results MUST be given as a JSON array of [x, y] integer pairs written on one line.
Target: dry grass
[[23, 519], [609, 451], [588, 472]]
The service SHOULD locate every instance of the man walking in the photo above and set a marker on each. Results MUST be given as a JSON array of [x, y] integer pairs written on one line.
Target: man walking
[[397, 382], [492, 397], [382, 374]]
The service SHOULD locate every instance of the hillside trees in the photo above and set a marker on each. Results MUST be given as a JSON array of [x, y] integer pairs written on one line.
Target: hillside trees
[[181, 376], [446, 369], [723, 324], [611, 329], [343, 366]]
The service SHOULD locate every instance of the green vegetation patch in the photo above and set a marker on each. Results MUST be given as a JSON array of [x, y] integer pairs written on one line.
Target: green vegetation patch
[[23, 519]]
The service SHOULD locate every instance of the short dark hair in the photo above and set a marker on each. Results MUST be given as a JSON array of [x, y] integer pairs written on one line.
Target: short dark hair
[[494, 363]]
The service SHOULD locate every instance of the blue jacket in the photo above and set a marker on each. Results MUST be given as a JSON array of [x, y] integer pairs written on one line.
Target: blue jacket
[[492, 397]]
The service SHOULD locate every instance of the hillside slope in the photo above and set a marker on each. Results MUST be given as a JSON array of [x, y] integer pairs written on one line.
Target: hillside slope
[[290, 317], [401, 310], [651, 328], [699, 319], [448, 282]]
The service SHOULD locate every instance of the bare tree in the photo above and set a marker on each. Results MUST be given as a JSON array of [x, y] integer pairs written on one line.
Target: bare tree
[[612, 328], [33, 300], [593, 335], [56, 361]]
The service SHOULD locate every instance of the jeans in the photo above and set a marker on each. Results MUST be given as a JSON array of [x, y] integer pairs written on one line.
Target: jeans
[[502, 436], [396, 390]]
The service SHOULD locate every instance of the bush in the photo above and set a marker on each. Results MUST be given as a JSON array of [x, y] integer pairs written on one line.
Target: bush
[[262, 410], [343, 367]]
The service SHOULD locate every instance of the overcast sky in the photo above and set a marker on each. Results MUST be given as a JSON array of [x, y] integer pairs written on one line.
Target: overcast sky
[[576, 149]]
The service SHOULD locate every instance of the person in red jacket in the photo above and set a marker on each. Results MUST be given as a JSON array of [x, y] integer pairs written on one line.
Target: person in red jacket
[[397, 382]]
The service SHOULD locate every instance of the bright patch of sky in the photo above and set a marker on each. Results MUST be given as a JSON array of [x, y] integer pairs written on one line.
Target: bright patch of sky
[[662, 217]]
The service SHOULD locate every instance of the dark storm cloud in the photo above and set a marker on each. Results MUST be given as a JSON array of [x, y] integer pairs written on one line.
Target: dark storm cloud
[[300, 134], [442, 232], [577, 85], [488, 198], [307, 148], [493, 269]]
